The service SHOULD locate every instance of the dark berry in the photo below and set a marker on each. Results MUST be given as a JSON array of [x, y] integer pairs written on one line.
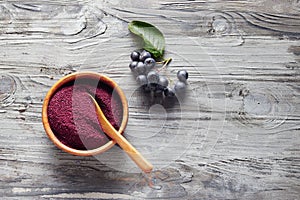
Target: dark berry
[[135, 56], [169, 92], [144, 55], [182, 75], [149, 63], [140, 68], [179, 87], [158, 92], [163, 81], [153, 77], [142, 80], [133, 65]]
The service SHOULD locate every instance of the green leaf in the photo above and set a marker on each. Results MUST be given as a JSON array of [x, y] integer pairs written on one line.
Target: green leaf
[[154, 40]]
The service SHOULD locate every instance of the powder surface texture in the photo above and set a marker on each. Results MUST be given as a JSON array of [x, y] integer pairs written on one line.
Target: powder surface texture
[[72, 115]]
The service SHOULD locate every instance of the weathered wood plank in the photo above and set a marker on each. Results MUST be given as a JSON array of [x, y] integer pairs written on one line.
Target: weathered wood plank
[[234, 136]]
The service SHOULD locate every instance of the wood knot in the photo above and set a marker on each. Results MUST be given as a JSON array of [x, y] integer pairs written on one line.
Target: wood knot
[[219, 24], [265, 106], [7, 89]]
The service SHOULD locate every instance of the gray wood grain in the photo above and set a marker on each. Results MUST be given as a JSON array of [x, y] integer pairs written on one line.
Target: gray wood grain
[[235, 135]]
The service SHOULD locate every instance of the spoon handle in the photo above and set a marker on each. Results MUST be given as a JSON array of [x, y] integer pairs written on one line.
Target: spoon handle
[[119, 139], [133, 153]]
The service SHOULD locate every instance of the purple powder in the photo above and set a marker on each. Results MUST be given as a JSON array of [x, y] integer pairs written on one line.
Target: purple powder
[[72, 115]]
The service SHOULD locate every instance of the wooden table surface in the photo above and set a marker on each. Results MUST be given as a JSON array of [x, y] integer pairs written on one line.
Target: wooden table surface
[[235, 134]]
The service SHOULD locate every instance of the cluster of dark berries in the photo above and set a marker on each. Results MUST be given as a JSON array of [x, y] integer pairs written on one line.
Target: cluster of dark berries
[[144, 67]]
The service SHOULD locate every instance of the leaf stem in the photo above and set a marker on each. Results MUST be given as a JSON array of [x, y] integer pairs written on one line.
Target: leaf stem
[[165, 63]]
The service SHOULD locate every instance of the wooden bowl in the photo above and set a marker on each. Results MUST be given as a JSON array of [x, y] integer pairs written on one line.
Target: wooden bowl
[[70, 78]]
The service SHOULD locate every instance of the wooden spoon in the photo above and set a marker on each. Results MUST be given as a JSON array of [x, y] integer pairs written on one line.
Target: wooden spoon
[[119, 139]]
